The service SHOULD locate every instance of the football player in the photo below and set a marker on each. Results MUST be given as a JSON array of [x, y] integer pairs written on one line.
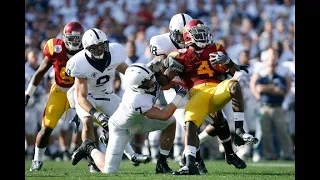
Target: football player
[[161, 46], [136, 114], [56, 53], [92, 95], [203, 61]]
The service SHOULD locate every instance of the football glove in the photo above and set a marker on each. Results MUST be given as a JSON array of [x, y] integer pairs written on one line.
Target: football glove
[[104, 137], [172, 64], [27, 97], [76, 121], [102, 118], [156, 64], [219, 58], [180, 90]]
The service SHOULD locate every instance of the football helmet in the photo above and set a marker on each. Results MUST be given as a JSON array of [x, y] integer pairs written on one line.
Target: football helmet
[[196, 32], [140, 78], [176, 26], [95, 43], [72, 35]]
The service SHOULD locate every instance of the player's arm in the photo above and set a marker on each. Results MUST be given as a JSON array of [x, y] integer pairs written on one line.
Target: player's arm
[[37, 77], [166, 112], [81, 89], [122, 67]]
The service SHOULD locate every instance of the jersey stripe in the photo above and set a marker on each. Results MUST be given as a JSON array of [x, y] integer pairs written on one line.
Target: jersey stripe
[[50, 46]]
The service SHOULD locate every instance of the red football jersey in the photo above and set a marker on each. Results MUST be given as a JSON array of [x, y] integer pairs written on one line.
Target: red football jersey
[[56, 51], [197, 67]]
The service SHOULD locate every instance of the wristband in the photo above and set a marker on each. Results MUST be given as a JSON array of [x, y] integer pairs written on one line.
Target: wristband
[[93, 111], [177, 100], [30, 90]]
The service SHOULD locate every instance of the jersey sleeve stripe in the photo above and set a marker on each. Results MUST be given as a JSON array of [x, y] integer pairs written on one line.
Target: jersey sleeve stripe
[[50, 46]]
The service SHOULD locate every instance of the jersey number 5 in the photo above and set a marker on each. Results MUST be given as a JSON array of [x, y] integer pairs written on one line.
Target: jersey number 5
[[65, 78], [204, 68]]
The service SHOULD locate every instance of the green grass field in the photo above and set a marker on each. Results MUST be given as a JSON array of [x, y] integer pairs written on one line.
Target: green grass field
[[264, 170]]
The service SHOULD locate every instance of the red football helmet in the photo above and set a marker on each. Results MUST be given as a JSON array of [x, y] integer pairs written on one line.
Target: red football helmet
[[196, 32], [72, 35]]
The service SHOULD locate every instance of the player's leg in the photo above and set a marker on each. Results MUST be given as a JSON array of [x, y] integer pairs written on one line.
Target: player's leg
[[30, 130], [195, 113], [220, 127], [154, 139], [169, 95], [56, 105], [109, 106], [231, 90], [64, 139], [87, 131], [166, 139]]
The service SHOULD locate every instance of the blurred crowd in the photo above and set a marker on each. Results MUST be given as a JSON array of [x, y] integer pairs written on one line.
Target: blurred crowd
[[259, 33]]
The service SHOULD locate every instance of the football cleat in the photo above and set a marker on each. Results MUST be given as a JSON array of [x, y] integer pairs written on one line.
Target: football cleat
[[163, 168], [201, 167], [235, 160], [187, 170], [136, 159], [242, 138], [81, 152], [36, 165]]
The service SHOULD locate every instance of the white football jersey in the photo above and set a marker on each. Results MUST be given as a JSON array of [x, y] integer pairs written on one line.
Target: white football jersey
[[132, 106], [162, 45], [99, 74]]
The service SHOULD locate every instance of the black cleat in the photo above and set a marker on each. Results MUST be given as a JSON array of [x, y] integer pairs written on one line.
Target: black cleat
[[201, 167], [242, 138], [136, 159], [187, 170], [81, 152], [236, 161], [36, 165], [163, 168]]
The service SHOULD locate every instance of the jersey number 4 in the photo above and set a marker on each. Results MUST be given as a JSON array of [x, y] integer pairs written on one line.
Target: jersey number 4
[[204, 68]]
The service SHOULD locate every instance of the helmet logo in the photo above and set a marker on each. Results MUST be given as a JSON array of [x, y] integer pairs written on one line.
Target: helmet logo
[[94, 74], [57, 48]]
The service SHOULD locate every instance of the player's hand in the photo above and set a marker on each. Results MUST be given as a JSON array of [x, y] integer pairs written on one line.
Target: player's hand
[[172, 64], [244, 68], [102, 118], [156, 64], [104, 137], [180, 90], [76, 121], [27, 97], [219, 58]]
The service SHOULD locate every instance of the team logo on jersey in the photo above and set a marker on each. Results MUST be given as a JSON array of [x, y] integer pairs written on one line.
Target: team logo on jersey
[[94, 74], [182, 50], [57, 48]]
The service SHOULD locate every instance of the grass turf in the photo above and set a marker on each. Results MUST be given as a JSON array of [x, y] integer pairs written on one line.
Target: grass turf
[[263, 170]]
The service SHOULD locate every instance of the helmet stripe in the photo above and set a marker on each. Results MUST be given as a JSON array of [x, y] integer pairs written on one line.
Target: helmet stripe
[[140, 67], [95, 33], [184, 19]]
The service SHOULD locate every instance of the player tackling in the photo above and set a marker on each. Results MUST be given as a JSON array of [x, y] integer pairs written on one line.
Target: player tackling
[[92, 94], [136, 114]]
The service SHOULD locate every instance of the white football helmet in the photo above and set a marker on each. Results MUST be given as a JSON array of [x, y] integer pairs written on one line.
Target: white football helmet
[[95, 43], [140, 78], [176, 26]]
